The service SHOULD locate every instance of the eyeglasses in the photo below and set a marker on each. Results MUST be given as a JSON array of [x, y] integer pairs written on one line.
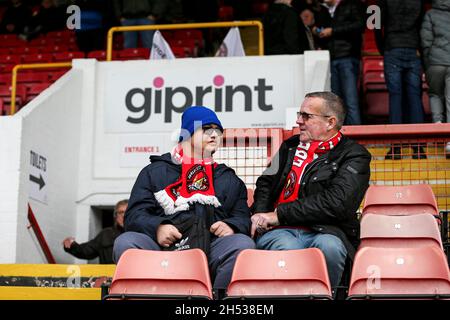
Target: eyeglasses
[[306, 116], [209, 130]]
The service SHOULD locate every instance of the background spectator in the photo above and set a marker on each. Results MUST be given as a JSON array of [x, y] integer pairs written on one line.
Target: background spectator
[[91, 35], [137, 13], [47, 18], [435, 35], [16, 16], [345, 41], [102, 245], [399, 41], [284, 32]]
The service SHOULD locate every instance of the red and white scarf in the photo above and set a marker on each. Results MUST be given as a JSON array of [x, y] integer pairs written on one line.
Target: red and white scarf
[[195, 185], [304, 155]]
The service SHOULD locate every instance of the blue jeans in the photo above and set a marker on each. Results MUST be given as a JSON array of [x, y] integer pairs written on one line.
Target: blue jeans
[[222, 255], [131, 37], [344, 83], [293, 239], [403, 74]]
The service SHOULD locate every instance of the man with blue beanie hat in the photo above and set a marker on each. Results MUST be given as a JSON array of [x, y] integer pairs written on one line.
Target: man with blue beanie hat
[[186, 188]]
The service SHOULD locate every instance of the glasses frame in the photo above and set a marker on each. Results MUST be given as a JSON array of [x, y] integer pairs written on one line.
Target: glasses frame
[[208, 130], [307, 116]]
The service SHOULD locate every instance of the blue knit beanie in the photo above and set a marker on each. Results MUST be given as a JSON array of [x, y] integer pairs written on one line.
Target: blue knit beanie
[[195, 117]]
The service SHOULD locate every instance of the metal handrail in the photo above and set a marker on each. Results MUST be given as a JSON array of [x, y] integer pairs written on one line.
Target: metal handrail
[[30, 66], [40, 236], [202, 25]]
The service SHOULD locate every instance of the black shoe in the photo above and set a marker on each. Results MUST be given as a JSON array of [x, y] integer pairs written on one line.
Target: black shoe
[[394, 154], [418, 152]]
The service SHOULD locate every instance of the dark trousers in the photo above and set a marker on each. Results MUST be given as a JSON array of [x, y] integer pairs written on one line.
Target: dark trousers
[[403, 74], [221, 258]]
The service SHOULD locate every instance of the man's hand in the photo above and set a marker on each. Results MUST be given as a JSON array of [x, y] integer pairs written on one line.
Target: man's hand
[[326, 33], [221, 229], [167, 234], [262, 222], [67, 242]]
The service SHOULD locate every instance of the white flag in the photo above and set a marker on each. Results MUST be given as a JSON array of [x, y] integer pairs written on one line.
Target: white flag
[[231, 45], [160, 48]]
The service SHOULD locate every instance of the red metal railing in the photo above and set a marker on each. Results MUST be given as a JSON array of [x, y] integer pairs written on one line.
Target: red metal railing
[[40, 236]]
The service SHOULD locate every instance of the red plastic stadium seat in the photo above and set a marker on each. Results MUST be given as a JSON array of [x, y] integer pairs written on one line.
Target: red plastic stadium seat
[[5, 79], [400, 273], [26, 50], [38, 58], [31, 78], [373, 65], [5, 51], [35, 90], [178, 52], [68, 56], [399, 231], [56, 74], [159, 274], [134, 54], [9, 59], [55, 48], [188, 33], [280, 274], [5, 95], [2, 108], [400, 200], [225, 13], [100, 55]]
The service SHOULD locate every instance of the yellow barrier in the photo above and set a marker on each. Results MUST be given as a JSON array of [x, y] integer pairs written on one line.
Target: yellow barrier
[[53, 281], [30, 66], [202, 25]]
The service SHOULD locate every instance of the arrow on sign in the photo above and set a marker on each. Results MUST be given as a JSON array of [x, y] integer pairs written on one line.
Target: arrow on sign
[[39, 180]]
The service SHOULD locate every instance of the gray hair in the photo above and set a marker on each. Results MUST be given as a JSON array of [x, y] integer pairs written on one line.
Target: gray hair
[[333, 105], [119, 204]]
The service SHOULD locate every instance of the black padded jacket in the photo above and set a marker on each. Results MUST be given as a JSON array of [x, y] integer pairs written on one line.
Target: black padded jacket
[[332, 188]]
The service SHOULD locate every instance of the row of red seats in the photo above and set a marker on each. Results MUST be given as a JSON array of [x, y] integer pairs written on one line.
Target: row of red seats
[[400, 256]]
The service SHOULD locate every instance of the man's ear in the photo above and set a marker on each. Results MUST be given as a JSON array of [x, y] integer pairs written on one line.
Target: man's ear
[[331, 122]]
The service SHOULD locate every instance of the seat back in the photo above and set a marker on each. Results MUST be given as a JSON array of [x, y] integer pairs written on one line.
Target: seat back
[[162, 274], [399, 273], [399, 231], [287, 273], [400, 200]]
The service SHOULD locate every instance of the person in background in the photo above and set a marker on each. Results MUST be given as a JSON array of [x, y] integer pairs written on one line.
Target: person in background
[[435, 37], [284, 32], [102, 245], [398, 40], [15, 18], [344, 38]]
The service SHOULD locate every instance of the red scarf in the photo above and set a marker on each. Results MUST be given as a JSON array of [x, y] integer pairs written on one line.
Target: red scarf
[[195, 185], [304, 155]]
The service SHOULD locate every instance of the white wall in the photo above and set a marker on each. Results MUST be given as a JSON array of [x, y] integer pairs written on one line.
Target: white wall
[[10, 135], [67, 124]]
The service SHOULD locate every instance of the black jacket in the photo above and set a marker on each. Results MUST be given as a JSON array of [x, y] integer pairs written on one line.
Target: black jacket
[[400, 24], [332, 189], [101, 246], [348, 24], [284, 33], [144, 214]]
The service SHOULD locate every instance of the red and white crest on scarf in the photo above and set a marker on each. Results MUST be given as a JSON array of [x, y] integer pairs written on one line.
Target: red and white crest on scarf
[[195, 184], [304, 155]]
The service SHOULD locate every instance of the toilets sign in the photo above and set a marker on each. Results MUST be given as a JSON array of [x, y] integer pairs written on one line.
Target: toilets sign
[[37, 177]]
